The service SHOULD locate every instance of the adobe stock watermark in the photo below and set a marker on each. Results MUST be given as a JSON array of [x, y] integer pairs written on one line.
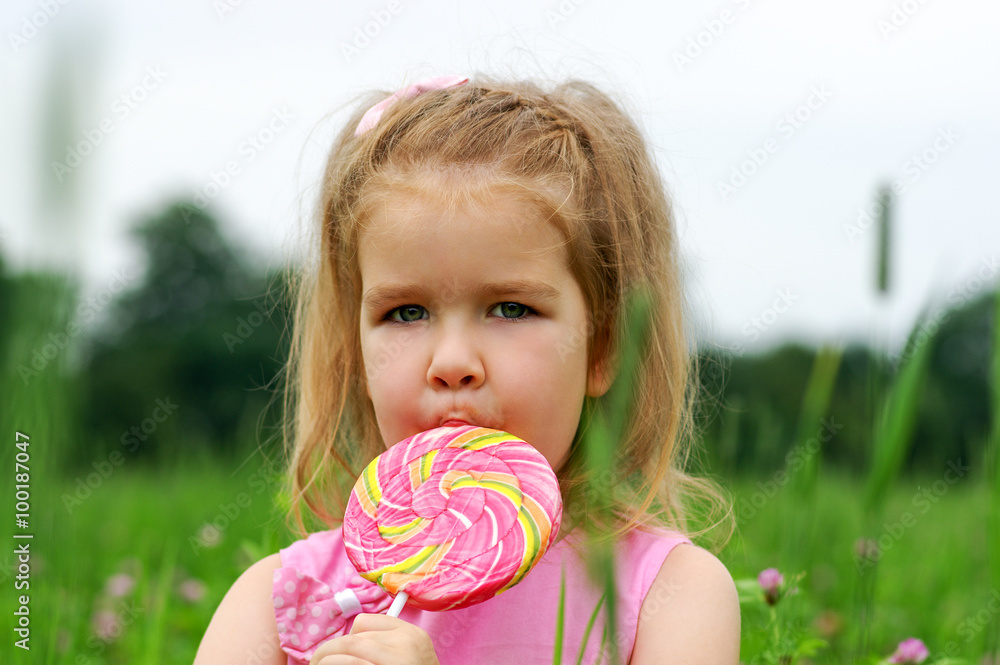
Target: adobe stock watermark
[[971, 626], [386, 354], [263, 653], [580, 336], [8, 568], [658, 598], [911, 171], [57, 342], [758, 324], [795, 459], [121, 108], [224, 7], [248, 150], [712, 29], [962, 293], [457, 629], [923, 500], [562, 12], [110, 626], [900, 15], [786, 128], [34, 23], [210, 532], [130, 440], [245, 327], [363, 35]]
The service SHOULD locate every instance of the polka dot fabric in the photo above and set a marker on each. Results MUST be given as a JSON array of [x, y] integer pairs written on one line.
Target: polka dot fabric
[[308, 611]]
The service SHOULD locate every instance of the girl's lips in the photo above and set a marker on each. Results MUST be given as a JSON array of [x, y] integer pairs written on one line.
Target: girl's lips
[[454, 423]]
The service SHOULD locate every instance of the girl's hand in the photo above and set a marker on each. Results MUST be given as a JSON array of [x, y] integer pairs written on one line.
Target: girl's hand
[[379, 640]]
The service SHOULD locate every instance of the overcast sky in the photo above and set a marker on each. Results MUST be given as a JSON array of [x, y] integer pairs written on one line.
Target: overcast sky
[[816, 104]]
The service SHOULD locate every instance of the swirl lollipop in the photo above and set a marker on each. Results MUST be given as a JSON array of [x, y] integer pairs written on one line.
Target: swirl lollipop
[[452, 516]]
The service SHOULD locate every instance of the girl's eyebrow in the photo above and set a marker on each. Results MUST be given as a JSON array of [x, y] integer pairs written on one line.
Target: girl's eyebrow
[[384, 294]]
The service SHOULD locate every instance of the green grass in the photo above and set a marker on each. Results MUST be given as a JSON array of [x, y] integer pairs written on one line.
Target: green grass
[[932, 578], [146, 523]]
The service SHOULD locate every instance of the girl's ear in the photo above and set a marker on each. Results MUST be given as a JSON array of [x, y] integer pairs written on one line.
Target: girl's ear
[[601, 376]]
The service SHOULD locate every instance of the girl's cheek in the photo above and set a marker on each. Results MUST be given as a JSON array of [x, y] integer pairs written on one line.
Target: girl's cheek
[[379, 349]]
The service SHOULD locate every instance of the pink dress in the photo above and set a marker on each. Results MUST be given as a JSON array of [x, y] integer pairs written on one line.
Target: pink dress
[[317, 592]]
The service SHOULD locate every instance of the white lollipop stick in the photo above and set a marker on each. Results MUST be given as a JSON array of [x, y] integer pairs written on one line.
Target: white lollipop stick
[[397, 604]]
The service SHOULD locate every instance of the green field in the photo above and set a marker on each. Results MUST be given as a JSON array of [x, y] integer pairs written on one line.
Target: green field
[[932, 576], [132, 552]]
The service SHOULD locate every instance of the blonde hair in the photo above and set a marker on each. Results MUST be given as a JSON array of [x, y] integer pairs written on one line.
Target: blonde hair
[[576, 156]]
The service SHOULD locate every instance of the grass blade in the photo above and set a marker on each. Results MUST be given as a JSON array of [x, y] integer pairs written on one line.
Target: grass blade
[[638, 314], [815, 404], [560, 619], [161, 596], [807, 452], [894, 432], [599, 442], [884, 237], [590, 627]]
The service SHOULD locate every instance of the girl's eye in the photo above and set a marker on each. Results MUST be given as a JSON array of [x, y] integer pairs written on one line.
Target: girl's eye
[[407, 313], [512, 310]]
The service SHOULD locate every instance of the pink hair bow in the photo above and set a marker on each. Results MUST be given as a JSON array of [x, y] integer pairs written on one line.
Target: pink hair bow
[[372, 115]]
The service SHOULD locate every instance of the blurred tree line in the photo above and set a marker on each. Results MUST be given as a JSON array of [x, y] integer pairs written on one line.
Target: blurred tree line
[[185, 356], [199, 335], [750, 415], [188, 356]]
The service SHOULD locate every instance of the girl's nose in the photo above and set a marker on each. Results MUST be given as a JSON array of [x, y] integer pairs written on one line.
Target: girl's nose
[[456, 362]]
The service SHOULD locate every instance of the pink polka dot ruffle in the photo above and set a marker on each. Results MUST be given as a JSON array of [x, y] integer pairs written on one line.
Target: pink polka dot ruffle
[[308, 612]]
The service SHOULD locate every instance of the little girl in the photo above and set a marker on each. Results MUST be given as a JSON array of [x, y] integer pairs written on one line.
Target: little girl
[[476, 244]]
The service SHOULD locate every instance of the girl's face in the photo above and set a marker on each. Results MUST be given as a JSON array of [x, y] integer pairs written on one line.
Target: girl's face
[[473, 317]]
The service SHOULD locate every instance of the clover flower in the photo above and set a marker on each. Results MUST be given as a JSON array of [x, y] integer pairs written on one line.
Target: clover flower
[[209, 535], [771, 581], [910, 650], [191, 590], [105, 625], [866, 549], [119, 585]]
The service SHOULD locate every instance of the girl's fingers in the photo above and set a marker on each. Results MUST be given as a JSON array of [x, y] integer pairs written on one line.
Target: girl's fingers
[[349, 650], [340, 660], [366, 622], [377, 639]]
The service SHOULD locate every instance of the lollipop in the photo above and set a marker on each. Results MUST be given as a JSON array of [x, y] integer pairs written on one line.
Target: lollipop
[[452, 516]]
